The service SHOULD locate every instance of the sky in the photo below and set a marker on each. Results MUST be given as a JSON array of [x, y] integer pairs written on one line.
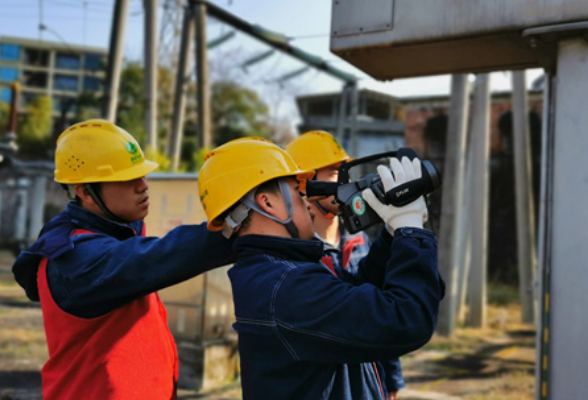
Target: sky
[[305, 22]]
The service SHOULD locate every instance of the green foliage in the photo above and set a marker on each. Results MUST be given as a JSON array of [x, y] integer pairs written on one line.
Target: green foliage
[[88, 106], [131, 112], [199, 158], [159, 157], [38, 120], [502, 294], [35, 127], [237, 112], [4, 116]]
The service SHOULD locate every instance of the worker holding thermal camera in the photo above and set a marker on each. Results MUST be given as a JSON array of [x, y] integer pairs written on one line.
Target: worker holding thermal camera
[[319, 151], [305, 333]]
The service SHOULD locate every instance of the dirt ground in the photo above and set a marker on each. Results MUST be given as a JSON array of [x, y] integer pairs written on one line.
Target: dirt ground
[[494, 363]]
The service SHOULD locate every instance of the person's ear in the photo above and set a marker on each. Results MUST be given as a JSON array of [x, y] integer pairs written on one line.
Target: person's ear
[[267, 202], [82, 192]]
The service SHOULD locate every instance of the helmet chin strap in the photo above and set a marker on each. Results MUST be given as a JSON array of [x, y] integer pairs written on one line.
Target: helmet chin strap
[[94, 195], [248, 203], [323, 210]]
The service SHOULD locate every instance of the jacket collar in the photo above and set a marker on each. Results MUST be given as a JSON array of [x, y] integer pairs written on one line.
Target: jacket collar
[[55, 240], [88, 220], [280, 247]]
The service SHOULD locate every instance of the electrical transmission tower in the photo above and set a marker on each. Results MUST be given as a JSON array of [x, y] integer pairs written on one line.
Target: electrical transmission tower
[[170, 32]]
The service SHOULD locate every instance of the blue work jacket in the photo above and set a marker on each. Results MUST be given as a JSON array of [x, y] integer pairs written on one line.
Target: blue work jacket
[[306, 334], [352, 248], [90, 275]]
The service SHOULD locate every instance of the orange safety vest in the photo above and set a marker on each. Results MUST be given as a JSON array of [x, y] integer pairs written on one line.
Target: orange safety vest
[[125, 354]]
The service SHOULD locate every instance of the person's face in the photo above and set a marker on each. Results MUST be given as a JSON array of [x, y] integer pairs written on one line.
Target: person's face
[[128, 200], [329, 174]]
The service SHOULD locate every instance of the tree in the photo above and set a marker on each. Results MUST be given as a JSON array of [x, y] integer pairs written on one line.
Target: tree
[[4, 116], [35, 129], [88, 106], [131, 111], [237, 112]]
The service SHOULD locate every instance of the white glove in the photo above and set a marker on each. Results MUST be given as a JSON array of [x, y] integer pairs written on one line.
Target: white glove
[[414, 214]]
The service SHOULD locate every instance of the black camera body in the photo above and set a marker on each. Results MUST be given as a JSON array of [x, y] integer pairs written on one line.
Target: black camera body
[[356, 214]]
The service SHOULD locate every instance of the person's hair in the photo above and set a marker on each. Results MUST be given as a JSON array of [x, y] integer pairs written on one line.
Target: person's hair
[[71, 191]]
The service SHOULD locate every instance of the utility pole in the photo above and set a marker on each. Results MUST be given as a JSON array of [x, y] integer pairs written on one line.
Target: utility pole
[[180, 92], [527, 251], [479, 209], [196, 13], [113, 70], [452, 201], [150, 62], [203, 94]]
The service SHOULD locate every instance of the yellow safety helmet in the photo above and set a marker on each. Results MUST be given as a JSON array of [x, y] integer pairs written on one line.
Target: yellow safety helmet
[[99, 151], [232, 170], [315, 150]]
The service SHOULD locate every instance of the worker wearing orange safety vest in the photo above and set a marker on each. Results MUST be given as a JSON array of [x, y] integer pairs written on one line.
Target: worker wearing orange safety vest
[[96, 275]]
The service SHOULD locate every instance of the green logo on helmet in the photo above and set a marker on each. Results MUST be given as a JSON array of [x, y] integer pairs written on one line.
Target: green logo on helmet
[[132, 148]]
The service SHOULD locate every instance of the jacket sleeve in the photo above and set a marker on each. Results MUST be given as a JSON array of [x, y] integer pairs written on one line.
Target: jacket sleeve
[[102, 273], [371, 268], [391, 372], [342, 322]]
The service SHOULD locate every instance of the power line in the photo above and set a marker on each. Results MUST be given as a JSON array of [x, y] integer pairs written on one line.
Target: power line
[[314, 36]]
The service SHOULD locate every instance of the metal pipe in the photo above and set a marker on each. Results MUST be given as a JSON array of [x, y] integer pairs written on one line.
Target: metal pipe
[[452, 201], [37, 193], [175, 144], [112, 79], [568, 220], [150, 82], [202, 76], [342, 118], [279, 43], [353, 137], [479, 209], [527, 252], [544, 240], [13, 116]]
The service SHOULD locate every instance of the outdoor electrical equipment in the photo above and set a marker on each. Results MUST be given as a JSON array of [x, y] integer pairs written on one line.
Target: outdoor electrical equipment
[[391, 39]]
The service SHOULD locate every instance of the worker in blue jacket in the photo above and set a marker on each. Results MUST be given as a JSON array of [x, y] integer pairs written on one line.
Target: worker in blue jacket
[[305, 333], [96, 275], [320, 152]]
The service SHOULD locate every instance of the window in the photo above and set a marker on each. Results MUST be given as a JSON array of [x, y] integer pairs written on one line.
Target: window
[[36, 58], [26, 99], [92, 83], [67, 61], [378, 109], [65, 82], [8, 74], [34, 79], [64, 103], [9, 52], [323, 108], [93, 62], [5, 95]]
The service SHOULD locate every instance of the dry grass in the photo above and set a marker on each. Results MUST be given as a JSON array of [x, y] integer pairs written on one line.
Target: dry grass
[[21, 340], [512, 386], [495, 362]]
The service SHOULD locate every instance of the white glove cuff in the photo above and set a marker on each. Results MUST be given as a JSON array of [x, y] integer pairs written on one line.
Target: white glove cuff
[[411, 220]]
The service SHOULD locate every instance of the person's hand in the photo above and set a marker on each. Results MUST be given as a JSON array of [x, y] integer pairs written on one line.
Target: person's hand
[[393, 396], [414, 214]]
